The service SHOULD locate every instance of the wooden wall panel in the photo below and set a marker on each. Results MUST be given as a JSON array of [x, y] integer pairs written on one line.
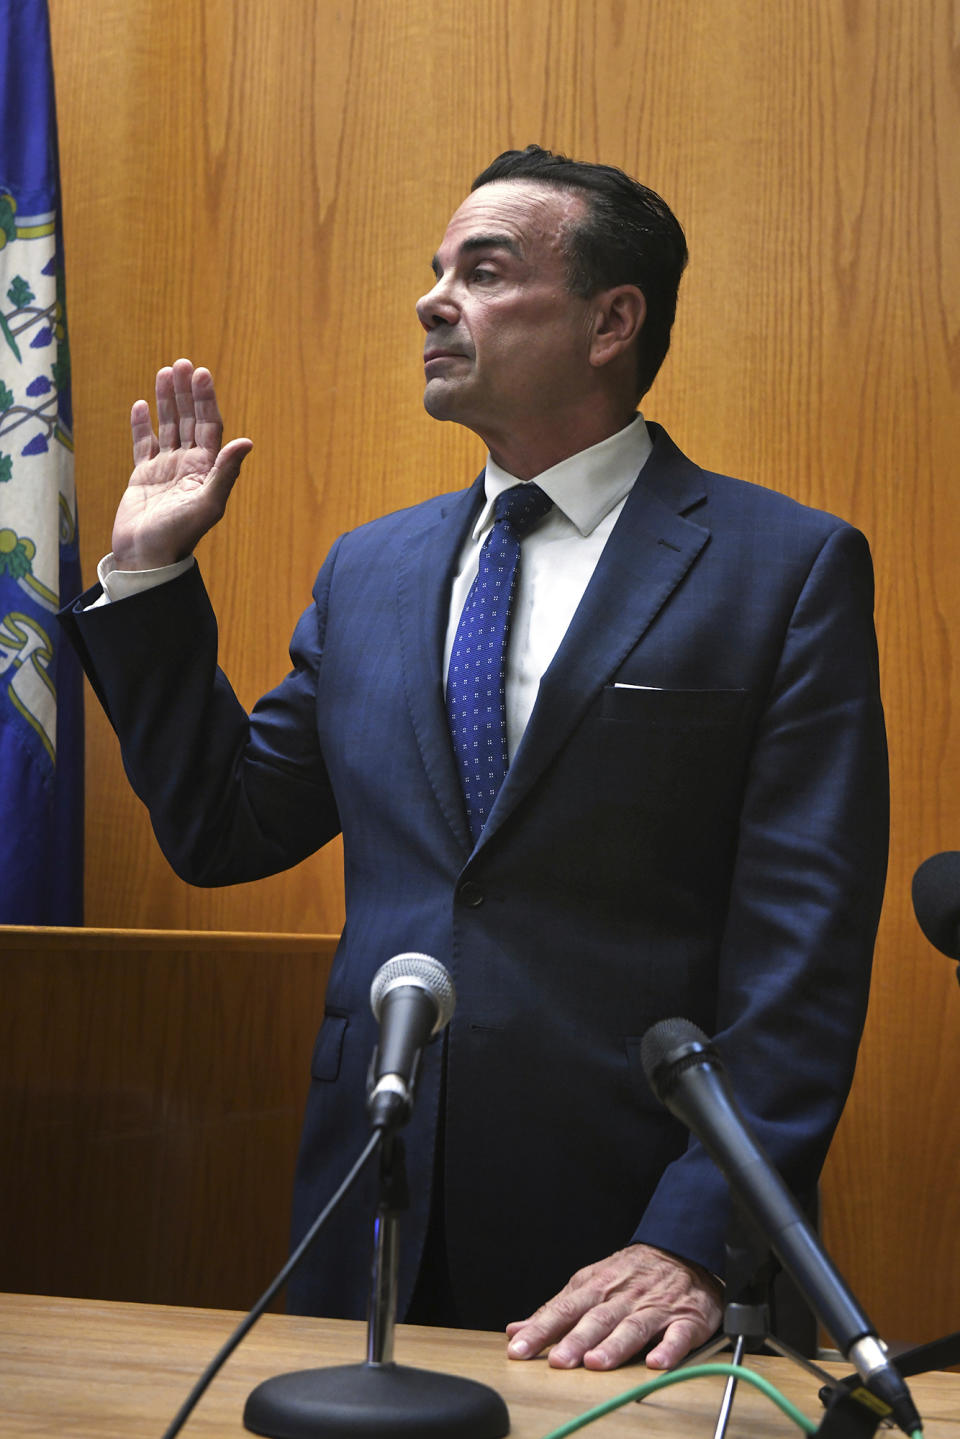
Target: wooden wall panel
[[261, 187], [150, 1101]]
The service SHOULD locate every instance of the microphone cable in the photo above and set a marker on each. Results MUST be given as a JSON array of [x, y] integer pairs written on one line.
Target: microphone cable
[[694, 1371], [247, 1323]]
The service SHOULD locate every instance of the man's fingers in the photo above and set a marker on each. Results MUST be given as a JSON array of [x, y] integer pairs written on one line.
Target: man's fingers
[[678, 1339], [226, 468], [187, 410], [606, 1336], [610, 1311], [606, 1329], [209, 425], [616, 1342], [168, 421], [183, 396], [549, 1324], [628, 1339], [233, 455], [145, 444]]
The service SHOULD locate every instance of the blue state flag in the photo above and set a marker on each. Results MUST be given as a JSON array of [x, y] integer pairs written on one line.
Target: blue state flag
[[41, 711]]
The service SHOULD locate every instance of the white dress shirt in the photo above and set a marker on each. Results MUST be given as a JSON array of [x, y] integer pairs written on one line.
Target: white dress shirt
[[559, 556]]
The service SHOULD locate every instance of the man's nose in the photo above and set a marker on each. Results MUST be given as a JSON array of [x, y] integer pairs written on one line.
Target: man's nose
[[437, 307]]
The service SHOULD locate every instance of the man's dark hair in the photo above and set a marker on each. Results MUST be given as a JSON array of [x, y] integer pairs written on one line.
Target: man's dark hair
[[628, 237]]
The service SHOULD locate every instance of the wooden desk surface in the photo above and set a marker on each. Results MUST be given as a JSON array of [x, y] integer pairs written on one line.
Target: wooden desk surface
[[91, 1369]]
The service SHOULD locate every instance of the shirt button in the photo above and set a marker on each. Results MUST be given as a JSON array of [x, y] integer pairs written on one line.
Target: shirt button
[[470, 894]]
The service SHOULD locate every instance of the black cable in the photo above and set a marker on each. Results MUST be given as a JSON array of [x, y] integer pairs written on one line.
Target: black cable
[[246, 1324]]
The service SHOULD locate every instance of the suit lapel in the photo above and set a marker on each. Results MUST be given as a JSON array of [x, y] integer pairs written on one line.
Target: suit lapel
[[649, 552], [427, 564]]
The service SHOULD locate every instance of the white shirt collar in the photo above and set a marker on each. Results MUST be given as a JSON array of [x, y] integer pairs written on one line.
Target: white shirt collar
[[585, 486]]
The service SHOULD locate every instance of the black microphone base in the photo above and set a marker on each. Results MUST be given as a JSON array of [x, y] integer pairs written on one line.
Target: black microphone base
[[361, 1401]]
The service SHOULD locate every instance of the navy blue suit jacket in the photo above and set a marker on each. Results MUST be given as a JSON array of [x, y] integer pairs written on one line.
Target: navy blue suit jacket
[[694, 824]]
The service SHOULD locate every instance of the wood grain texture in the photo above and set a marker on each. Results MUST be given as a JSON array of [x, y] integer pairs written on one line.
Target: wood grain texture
[[120, 1371], [261, 187], [151, 1093]]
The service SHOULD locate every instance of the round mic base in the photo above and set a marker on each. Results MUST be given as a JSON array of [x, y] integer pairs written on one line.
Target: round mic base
[[375, 1401]]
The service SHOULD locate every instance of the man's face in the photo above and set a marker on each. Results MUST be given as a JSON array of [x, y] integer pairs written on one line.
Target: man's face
[[507, 343]]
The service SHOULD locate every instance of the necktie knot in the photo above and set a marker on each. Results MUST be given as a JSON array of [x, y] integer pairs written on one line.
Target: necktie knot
[[522, 507]]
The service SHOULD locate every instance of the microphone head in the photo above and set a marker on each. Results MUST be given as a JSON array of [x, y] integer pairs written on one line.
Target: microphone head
[[670, 1047], [421, 971], [936, 901]]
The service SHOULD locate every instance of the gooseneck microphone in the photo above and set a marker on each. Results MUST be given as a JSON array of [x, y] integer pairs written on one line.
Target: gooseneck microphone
[[936, 901], [412, 998], [687, 1076]]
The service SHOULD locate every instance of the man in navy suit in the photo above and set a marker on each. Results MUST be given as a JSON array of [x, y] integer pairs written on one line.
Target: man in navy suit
[[693, 821]]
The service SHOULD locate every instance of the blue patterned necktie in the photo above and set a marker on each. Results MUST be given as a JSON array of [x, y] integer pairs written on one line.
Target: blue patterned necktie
[[476, 704]]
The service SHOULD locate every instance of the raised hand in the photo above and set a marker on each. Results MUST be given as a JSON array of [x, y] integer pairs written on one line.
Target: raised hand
[[181, 478]]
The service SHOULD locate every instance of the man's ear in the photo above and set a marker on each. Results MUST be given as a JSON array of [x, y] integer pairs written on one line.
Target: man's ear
[[619, 314]]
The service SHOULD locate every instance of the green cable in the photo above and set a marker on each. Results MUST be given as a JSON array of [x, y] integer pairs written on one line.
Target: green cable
[[676, 1376]]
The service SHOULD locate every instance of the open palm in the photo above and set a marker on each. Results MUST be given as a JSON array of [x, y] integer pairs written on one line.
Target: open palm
[[182, 477]]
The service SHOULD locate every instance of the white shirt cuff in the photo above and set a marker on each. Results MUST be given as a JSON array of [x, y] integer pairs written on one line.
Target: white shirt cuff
[[120, 584]]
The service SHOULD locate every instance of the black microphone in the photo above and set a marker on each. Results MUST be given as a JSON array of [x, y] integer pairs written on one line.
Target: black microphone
[[687, 1076], [412, 998], [936, 901]]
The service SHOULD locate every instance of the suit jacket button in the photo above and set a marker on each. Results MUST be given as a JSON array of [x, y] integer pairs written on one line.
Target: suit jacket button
[[470, 894]]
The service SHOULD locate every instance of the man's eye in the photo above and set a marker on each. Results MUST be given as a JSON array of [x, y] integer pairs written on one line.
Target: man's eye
[[482, 274]]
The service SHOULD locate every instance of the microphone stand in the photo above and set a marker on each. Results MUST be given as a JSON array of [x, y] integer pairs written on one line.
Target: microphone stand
[[382, 1305], [377, 1399], [746, 1328]]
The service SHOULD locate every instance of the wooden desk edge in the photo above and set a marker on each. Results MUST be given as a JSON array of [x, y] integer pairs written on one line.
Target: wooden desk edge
[[100, 1369]]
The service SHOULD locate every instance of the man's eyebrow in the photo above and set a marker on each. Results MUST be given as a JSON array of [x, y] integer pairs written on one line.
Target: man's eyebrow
[[483, 242]]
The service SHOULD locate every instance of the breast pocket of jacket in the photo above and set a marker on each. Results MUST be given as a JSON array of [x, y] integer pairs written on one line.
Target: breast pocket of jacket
[[665, 752]]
